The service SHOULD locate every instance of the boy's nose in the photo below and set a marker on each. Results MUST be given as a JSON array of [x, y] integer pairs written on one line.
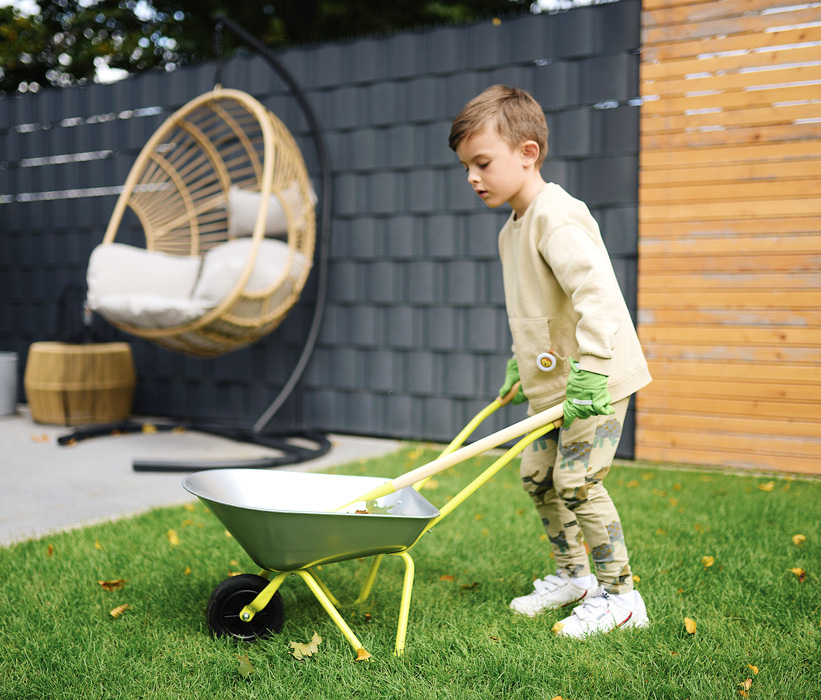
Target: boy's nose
[[473, 177]]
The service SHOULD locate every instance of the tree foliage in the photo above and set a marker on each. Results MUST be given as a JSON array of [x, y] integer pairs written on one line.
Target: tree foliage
[[69, 40]]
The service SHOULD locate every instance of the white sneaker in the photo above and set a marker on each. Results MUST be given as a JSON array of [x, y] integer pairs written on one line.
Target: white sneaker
[[551, 592], [602, 612]]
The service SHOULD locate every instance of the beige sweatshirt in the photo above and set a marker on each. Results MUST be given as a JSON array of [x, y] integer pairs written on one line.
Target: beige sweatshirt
[[563, 301]]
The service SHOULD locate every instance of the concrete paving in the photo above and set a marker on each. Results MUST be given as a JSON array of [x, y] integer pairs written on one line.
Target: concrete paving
[[47, 487]]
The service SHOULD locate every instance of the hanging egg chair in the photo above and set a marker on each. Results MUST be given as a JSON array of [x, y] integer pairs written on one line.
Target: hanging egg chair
[[226, 211]]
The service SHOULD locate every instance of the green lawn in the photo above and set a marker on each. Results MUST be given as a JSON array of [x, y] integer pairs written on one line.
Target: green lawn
[[58, 640]]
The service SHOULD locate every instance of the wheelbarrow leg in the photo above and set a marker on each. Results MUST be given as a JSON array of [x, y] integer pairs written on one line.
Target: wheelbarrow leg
[[369, 579], [310, 581], [404, 605], [324, 588]]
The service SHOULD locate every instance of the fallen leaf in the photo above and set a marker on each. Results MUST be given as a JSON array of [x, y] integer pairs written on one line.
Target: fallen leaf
[[300, 651], [478, 516], [470, 586], [800, 573], [119, 610], [178, 430], [769, 486], [190, 507], [446, 577], [708, 561], [745, 688], [690, 625], [632, 484], [557, 627], [754, 669], [798, 540], [245, 668], [50, 551], [497, 22], [149, 428], [42, 437], [173, 540], [636, 579], [362, 655], [97, 544], [187, 571], [431, 485], [113, 585]]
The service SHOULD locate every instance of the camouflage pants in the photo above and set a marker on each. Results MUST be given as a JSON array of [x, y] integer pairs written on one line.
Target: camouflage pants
[[563, 474]]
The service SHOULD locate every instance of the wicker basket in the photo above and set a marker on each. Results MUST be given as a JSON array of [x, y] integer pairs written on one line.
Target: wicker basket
[[79, 384]]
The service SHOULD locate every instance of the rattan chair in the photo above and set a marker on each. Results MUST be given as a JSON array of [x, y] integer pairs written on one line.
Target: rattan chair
[[180, 188]]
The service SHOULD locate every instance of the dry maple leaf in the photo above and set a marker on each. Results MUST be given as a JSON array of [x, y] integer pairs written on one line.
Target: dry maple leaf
[[798, 540], [173, 540], [800, 573], [113, 585], [754, 669], [300, 651], [745, 688], [708, 561], [769, 486], [362, 654], [119, 610], [245, 668], [690, 625]]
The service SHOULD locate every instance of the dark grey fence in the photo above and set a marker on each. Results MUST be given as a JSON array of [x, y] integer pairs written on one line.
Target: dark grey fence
[[415, 336]]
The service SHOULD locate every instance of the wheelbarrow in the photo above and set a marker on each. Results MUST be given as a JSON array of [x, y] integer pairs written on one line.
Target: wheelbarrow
[[290, 523]]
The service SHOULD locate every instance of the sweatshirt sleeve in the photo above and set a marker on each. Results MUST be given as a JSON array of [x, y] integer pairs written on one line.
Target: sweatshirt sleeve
[[584, 272]]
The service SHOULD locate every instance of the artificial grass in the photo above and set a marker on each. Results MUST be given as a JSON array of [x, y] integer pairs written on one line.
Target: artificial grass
[[58, 640]]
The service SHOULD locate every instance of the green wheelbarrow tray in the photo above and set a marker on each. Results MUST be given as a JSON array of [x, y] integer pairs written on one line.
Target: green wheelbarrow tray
[[291, 522]]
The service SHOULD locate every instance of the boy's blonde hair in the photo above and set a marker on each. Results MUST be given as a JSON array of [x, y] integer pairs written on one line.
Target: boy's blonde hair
[[514, 113]]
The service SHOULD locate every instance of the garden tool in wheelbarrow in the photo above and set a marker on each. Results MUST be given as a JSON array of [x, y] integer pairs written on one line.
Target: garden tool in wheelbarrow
[[290, 523]]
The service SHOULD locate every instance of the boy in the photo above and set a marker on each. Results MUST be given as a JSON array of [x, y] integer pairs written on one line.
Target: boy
[[573, 340]]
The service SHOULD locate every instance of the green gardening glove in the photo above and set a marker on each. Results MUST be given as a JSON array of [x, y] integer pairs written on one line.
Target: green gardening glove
[[511, 377], [587, 395]]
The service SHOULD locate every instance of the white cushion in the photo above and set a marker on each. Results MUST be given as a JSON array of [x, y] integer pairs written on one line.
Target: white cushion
[[243, 207], [123, 269], [148, 310], [223, 265]]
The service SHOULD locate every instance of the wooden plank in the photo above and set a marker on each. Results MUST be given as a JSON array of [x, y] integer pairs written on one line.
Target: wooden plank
[[730, 424], [719, 407], [805, 394], [725, 27], [746, 299], [662, 4], [773, 190], [735, 335], [735, 264], [731, 118], [698, 230], [699, 82], [745, 99], [724, 155], [730, 280], [729, 317], [729, 210], [765, 373], [780, 171], [738, 42], [775, 444], [725, 137], [752, 246], [714, 62], [667, 13], [738, 460], [683, 351]]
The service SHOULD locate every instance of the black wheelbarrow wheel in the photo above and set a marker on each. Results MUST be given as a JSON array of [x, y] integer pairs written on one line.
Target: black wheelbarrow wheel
[[228, 600]]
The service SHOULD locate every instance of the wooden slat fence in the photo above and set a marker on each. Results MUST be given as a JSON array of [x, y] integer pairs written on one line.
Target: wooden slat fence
[[729, 291]]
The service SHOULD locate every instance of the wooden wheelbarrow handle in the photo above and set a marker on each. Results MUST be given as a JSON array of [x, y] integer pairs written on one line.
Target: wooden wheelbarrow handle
[[551, 415]]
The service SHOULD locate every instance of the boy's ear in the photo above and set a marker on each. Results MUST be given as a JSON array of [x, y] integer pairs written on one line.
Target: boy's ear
[[530, 152]]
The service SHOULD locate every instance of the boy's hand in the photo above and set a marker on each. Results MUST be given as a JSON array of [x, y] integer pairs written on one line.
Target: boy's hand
[[511, 377], [587, 395]]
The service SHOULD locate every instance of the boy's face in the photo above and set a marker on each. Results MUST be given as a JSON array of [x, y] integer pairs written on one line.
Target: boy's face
[[497, 172]]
